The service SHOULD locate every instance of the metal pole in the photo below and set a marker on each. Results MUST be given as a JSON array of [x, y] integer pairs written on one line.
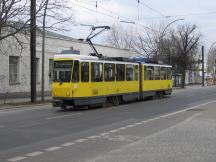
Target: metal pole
[[33, 50], [43, 51], [203, 73], [214, 69]]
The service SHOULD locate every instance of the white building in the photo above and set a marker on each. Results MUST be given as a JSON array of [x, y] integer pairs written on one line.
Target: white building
[[15, 63]]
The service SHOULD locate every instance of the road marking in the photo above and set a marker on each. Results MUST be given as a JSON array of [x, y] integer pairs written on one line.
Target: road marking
[[93, 137], [122, 128], [34, 153], [113, 131], [52, 148], [62, 116], [192, 117], [138, 123], [2, 126], [130, 126], [18, 158], [81, 140], [104, 134], [68, 144], [176, 112], [190, 108]]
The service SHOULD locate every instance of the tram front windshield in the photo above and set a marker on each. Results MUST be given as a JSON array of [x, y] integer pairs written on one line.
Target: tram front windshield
[[62, 71]]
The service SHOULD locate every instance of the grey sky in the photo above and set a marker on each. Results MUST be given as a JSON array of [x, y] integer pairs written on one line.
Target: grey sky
[[199, 12]]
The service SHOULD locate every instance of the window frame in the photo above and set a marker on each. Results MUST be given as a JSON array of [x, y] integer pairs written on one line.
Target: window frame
[[146, 72], [164, 69], [78, 72], [169, 73], [51, 69], [157, 73], [120, 79], [129, 77], [110, 79], [58, 70], [81, 72], [17, 73], [136, 72], [100, 71]]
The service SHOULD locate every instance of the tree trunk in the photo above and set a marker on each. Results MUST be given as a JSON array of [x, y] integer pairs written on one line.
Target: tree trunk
[[183, 78]]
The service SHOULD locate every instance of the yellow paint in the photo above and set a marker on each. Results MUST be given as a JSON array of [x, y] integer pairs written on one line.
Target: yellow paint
[[90, 89]]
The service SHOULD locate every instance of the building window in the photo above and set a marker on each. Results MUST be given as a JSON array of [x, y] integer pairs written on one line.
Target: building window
[[97, 72], [129, 72], [51, 64], [109, 72], [149, 73], [157, 73], [13, 69], [136, 72], [120, 72], [75, 77], [85, 72]]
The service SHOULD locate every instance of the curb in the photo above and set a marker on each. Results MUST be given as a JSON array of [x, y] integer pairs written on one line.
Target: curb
[[8, 107]]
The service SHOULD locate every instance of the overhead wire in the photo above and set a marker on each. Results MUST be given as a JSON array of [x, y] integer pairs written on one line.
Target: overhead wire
[[111, 12], [116, 17], [150, 8], [92, 10]]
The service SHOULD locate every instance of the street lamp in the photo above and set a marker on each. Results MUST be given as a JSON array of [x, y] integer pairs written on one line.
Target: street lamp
[[172, 22], [164, 30]]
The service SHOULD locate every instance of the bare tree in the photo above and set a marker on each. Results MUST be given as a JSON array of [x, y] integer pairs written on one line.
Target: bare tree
[[211, 61], [186, 42], [58, 15], [14, 19], [152, 41], [120, 37]]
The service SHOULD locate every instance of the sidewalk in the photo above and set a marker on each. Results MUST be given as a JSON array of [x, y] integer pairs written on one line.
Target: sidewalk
[[23, 102], [193, 140]]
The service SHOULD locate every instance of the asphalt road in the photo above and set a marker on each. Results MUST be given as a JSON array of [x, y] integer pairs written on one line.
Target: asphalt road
[[45, 134]]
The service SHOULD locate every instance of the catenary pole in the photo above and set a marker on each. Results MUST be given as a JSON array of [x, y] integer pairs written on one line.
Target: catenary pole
[[43, 51], [33, 50], [203, 72]]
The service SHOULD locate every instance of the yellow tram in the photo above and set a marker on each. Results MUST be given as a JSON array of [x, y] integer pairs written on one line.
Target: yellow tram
[[86, 80]]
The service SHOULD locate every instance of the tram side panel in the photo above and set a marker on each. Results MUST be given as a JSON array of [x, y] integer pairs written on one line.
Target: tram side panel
[[156, 79]]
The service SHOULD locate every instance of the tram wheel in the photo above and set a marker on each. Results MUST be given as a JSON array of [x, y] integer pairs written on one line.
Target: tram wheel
[[159, 94], [115, 100]]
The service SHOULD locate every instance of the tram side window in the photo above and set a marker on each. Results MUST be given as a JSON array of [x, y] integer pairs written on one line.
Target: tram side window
[[129, 72], [149, 73], [163, 73], [85, 72], [109, 72], [157, 73], [136, 72], [169, 73], [120, 72], [97, 72], [145, 73], [75, 77]]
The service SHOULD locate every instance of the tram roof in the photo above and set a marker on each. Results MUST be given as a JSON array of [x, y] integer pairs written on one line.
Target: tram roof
[[96, 59]]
